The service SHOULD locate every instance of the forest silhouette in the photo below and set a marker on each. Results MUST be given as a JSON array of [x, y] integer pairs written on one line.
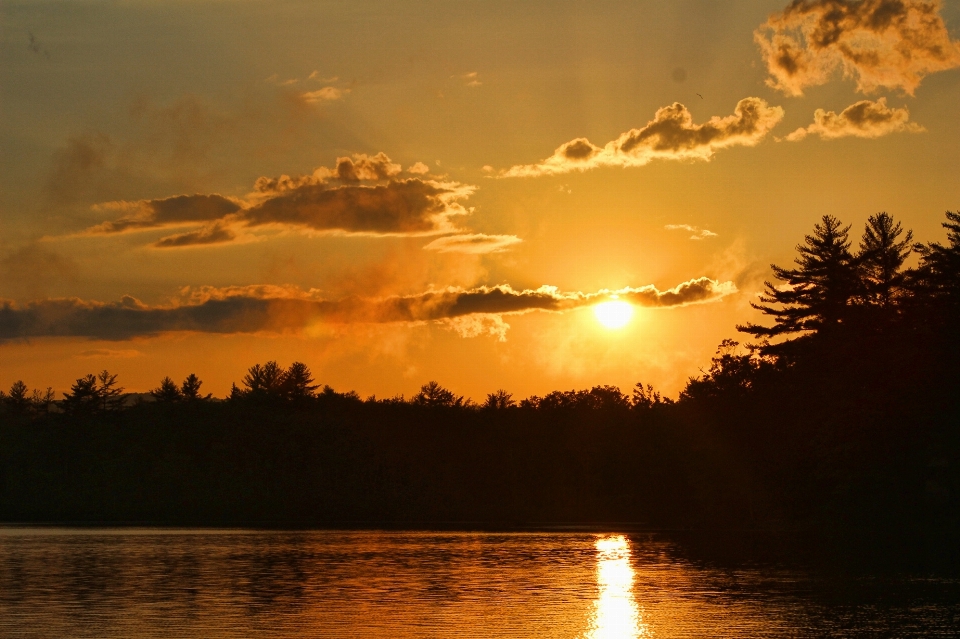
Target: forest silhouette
[[842, 418]]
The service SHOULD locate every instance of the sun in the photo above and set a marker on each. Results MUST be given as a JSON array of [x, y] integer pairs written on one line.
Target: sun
[[613, 314]]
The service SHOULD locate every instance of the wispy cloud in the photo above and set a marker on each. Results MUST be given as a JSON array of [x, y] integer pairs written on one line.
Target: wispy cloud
[[476, 243], [697, 232], [671, 135], [889, 44], [471, 79], [326, 94], [864, 119], [274, 309]]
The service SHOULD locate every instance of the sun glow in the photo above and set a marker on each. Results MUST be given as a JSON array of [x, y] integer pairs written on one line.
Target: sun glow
[[613, 314]]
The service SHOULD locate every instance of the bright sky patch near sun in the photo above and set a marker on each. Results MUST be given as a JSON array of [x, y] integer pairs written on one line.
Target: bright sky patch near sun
[[613, 314], [393, 200]]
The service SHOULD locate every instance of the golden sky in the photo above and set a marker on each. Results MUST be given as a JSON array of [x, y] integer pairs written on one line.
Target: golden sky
[[395, 192]]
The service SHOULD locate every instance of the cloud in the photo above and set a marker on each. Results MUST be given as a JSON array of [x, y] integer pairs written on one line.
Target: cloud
[[864, 119], [315, 75], [171, 211], [399, 207], [362, 194], [698, 233], [325, 94], [478, 325], [474, 243], [880, 43], [286, 309], [216, 233], [671, 135], [418, 168], [471, 79], [106, 352]]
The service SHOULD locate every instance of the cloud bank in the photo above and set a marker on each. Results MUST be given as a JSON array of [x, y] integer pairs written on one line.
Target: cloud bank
[[865, 119], [670, 135], [891, 44], [274, 309], [365, 195]]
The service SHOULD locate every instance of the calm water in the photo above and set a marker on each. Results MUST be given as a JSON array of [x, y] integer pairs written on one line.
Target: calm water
[[165, 583]]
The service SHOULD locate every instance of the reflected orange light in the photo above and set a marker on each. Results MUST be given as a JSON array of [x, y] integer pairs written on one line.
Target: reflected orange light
[[615, 615]]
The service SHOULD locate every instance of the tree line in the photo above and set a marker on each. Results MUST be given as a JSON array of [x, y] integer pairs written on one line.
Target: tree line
[[842, 415], [831, 292]]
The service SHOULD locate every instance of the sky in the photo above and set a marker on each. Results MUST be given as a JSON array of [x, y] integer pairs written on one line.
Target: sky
[[396, 192]]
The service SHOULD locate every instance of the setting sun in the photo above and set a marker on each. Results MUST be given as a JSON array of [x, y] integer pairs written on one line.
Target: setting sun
[[613, 314]]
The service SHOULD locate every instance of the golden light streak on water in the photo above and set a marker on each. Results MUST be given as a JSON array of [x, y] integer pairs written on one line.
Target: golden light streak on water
[[616, 614]]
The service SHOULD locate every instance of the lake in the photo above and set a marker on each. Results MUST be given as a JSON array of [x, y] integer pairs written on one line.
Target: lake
[[110, 583]]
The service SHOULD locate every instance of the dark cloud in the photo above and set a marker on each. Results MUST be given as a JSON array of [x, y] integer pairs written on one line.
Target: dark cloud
[[864, 119], [176, 210], [275, 309], [411, 206], [881, 43], [213, 234], [671, 135], [360, 195]]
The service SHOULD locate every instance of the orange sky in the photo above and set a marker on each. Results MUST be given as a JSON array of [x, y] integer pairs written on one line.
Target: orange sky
[[395, 193]]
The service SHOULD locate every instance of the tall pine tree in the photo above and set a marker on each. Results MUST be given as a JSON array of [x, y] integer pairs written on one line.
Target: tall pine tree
[[814, 296]]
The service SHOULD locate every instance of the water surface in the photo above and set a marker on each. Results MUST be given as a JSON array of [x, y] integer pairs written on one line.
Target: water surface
[[223, 584]]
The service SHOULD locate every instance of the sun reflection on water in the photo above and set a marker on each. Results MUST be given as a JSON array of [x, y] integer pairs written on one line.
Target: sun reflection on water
[[615, 614]]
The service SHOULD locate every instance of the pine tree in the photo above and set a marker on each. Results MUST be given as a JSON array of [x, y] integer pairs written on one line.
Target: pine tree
[[938, 276], [83, 398], [167, 392], [264, 381], [190, 389], [814, 296], [17, 400], [499, 400], [881, 258], [298, 382], [433, 394], [110, 396]]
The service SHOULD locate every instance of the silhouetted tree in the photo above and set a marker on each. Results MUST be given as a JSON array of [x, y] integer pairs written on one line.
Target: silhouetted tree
[[92, 394], [83, 398], [881, 257], [433, 394], [938, 276], [597, 398], [264, 381], [815, 295], [109, 395], [190, 389], [499, 400], [17, 400], [731, 373], [167, 391], [298, 382], [645, 398], [42, 400]]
